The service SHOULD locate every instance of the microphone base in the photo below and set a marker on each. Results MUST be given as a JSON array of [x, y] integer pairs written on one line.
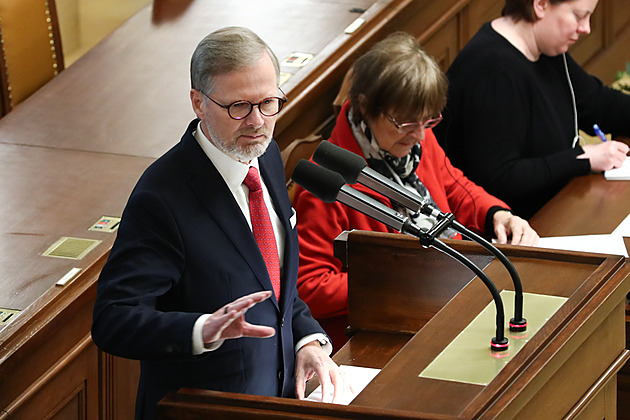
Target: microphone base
[[518, 325], [499, 345]]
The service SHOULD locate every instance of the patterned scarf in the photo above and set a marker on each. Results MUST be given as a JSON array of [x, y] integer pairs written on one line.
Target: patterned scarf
[[400, 170]]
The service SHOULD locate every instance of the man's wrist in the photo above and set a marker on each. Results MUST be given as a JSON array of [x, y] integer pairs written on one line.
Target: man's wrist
[[321, 339], [198, 345]]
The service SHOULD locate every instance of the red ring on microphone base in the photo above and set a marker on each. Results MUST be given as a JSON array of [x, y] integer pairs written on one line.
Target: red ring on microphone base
[[499, 345], [518, 325]]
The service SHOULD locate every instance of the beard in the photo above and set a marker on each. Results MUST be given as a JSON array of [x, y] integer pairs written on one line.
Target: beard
[[242, 152]]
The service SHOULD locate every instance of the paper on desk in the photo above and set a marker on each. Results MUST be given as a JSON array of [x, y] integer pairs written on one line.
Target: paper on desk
[[619, 174], [602, 244], [357, 377], [624, 228]]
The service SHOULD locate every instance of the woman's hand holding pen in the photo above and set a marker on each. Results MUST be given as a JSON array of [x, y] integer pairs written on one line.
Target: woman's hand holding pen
[[605, 155]]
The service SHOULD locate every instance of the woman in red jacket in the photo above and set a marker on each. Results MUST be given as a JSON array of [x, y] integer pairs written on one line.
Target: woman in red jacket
[[397, 94]]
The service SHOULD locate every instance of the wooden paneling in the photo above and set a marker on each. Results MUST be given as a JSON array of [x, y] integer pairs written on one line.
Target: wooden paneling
[[623, 380], [604, 52], [480, 12], [589, 45], [50, 368], [69, 392], [72, 151], [619, 18], [443, 28], [118, 387], [48, 362], [590, 205], [444, 44]]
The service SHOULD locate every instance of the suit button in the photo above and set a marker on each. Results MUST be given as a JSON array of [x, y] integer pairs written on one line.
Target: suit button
[[280, 375], [282, 322]]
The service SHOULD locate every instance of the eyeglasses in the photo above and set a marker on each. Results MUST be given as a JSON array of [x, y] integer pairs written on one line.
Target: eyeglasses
[[241, 109], [409, 127]]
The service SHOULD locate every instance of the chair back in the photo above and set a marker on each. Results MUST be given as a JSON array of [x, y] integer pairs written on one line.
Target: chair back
[[31, 52], [291, 155], [344, 92]]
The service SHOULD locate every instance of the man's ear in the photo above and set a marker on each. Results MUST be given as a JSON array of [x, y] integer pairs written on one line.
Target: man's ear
[[197, 102]]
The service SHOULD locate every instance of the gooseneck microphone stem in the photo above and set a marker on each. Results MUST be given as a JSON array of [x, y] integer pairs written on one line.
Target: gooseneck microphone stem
[[499, 342], [429, 238], [518, 323], [353, 168], [329, 187]]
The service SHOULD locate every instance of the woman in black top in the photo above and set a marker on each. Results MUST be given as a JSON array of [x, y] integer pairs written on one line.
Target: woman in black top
[[511, 121]]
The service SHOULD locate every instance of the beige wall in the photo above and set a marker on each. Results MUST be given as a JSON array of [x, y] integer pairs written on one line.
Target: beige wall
[[83, 23]]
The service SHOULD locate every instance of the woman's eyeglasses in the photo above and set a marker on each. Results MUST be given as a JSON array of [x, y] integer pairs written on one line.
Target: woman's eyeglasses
[[409, 127]]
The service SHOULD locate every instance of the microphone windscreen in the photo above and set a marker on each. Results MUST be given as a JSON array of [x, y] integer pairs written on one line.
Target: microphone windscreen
[[321, 182], [347, 164]]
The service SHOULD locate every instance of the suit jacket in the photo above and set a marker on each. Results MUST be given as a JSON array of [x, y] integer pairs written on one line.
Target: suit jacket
[[183, 249]]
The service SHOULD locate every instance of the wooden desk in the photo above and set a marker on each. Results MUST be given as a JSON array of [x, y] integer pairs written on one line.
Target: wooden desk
[[130, 94], [49, 193], [46, 354], [590, 205], [407, 303]]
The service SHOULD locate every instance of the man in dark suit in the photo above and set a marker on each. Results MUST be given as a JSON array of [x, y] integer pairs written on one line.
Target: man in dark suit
[[187, 289]]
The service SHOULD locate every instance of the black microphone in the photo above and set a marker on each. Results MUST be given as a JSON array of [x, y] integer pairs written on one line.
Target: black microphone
[[329, 186], [353, 168]]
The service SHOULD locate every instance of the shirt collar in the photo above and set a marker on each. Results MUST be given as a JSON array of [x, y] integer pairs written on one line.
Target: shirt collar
[[232, 171]]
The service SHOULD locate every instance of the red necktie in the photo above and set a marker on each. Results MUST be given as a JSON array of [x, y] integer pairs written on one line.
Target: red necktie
[[263, 231]]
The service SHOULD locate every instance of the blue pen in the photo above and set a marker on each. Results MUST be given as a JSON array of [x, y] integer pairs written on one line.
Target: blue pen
[[599, 132]]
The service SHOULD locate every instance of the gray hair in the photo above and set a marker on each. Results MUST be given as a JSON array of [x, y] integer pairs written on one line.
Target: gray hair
[[226, 50], [396, 76]]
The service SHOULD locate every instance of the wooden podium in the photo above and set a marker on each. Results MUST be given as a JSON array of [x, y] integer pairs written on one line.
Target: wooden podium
[[407, 303]]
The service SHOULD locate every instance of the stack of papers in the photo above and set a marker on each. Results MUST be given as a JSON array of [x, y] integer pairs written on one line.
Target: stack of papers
[[619, 174]]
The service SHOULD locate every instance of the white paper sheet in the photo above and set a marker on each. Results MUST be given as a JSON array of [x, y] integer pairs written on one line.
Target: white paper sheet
[[624, 228], [602, 244], [357, 378], [619, 174]]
